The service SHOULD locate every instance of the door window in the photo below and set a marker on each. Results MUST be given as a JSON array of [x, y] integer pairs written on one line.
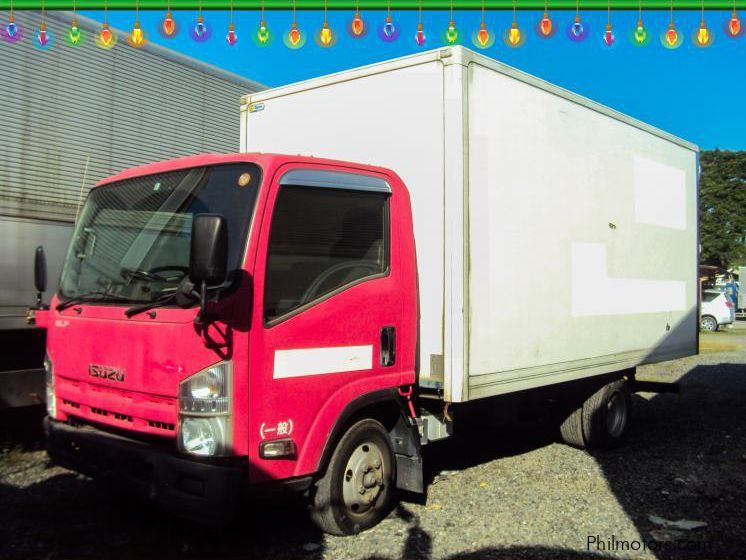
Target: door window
[[322, 241]]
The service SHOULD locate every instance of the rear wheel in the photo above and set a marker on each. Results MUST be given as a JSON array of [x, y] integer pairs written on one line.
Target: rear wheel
[[602, 421], [356, 490], [709, 323]]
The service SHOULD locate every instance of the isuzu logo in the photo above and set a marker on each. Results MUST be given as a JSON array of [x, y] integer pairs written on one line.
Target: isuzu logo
[[106, 372]]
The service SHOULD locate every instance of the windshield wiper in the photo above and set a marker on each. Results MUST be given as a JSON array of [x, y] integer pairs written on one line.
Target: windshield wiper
[[161, 301], [83, 298]]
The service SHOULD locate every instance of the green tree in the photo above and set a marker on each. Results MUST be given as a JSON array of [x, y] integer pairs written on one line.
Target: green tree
[[722, 208]]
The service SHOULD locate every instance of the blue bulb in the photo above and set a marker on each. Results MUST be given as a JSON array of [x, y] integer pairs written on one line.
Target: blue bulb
[[388, 29], [11, 29], [577, 29]]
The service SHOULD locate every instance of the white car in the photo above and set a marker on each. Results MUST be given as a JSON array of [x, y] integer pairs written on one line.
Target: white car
[[716, 310]]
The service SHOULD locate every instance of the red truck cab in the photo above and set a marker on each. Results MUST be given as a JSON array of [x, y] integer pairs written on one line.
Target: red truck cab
[[234, 321]]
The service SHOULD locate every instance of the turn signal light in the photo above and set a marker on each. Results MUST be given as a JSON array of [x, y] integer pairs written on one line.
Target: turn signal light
[[277, 448]]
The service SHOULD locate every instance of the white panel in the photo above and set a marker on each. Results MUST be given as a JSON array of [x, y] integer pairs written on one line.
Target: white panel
[[562, 270], [393, 119], [660, 193], [595, 293], [318, 361]]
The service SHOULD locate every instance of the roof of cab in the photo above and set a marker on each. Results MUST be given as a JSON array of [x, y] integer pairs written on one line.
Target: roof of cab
[[262, 159]]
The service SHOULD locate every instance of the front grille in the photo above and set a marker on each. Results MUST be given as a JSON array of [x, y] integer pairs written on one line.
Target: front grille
[[161, 425]]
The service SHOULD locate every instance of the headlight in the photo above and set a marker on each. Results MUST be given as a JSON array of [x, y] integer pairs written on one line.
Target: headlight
[[51, 399], [203, 436], [204, 411]]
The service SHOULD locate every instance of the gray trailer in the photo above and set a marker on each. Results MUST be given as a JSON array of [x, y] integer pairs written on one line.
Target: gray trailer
[[71, 116]]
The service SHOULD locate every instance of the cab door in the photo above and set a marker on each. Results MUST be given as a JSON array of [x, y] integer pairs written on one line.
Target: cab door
[[326, 309]]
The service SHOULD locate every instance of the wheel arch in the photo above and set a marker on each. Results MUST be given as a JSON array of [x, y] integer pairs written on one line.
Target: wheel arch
[[383, 405]]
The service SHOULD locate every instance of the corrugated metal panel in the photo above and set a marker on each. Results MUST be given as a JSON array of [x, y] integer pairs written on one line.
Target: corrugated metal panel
[[73, 115]]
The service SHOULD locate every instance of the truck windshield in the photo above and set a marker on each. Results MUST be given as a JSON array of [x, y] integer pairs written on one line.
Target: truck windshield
[[132, 239]]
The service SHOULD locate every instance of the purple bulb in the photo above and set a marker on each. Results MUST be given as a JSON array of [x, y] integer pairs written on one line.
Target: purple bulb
[[388, 29], [577, 29], [200, 29]]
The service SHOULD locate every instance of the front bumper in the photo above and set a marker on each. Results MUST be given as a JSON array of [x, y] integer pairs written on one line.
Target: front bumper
[[204, 492]]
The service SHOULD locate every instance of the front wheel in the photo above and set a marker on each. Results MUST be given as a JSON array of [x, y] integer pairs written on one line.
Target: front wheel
[[356, 490]]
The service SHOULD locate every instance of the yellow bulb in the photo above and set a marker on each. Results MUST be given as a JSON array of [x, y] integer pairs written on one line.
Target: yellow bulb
[[136, 35], [703, 34], [514, 35], [325, 35]]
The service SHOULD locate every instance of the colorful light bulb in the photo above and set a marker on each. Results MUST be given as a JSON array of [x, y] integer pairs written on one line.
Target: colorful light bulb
[[262, 34], [672, 36], [105, 35], [577, 27], [357, 25], [451, 33], [545, 25], [74, 33], [200, 30], [388, 28], [294, 35], [609, 36], [12, 28], [325, 35], [703, 34], [231, 37], [136, 37], [514, 35], [419, 37], [483, 36], [42, 38], [168, 25], [734, 25], [641, 34]]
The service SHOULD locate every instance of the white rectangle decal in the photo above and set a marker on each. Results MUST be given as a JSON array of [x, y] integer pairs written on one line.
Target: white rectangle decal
[[660, 194], [594, 292], [317, 361]]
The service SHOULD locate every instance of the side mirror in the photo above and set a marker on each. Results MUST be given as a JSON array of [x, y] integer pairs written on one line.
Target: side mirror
[[40, 273], [208, 261]]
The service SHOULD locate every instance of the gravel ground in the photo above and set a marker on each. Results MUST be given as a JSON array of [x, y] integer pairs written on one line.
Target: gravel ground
[[522, 495]]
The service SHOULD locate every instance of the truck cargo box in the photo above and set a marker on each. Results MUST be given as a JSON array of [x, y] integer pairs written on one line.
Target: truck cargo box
[[556, 238]]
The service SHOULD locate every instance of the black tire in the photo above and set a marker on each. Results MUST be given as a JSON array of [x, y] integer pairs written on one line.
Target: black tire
[[708, 323], [338, 513], [602, 422]]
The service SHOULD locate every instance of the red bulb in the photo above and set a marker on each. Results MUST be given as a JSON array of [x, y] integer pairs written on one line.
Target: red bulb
[[672, 35], [734, 25], [357, 24], [169, 25], [420, 35], [483, 36], [545, 25], [294, 35], [106, 35]]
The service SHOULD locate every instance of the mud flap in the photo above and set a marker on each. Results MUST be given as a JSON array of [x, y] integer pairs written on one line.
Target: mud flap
[[409, 474], [405, 439]]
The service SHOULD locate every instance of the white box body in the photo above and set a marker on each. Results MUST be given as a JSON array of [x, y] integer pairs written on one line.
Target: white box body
[[556, 238]]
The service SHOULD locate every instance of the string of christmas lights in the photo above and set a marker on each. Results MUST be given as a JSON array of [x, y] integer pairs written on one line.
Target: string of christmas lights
[[326, 37]]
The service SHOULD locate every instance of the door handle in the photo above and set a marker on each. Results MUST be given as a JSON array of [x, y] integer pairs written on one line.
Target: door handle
[[388, 346]]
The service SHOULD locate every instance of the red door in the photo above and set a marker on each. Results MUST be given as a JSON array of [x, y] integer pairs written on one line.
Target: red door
[[327, 309]]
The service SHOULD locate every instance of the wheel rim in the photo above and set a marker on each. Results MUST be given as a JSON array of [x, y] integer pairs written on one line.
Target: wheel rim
[[616, 414], [363, 478], [708, 324]]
